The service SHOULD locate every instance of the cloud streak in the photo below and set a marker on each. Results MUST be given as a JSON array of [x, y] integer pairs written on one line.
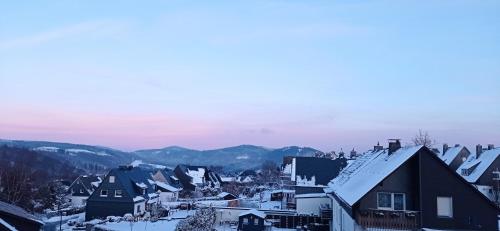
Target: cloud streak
[[95, 28]]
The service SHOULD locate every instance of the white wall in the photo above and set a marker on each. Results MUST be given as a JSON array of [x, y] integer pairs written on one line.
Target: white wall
[[78, 200], [143, 208], [308, 206], [294, 164], [168, 196]]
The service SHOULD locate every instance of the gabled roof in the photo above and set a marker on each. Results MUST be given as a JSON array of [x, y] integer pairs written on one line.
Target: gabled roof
[[18, 212], [90, 183], [477, 166], [167, 187], [308, 190], [133, 179], [322, 169], [367, 171], [451, 154], [254, 212], [6, 225]]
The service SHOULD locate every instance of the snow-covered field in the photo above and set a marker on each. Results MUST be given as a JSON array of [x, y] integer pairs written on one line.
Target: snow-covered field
[[163, 225]]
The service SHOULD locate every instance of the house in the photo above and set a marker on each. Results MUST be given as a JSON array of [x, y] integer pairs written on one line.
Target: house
[[454, 156], [166, 192], [407, 188], [82, 188], [247, 176], [312, 201], [483, 171], [314, 171], [16, 218], [253, 220], [226, 196], [125, 189], [192, 177]]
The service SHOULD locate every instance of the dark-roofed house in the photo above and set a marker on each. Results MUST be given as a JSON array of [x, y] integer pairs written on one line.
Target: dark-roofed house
[[454, 156], [253, 220], [192, 177], [15, 217], [247, 176], [168, 185], [407, 188], [82, 188], [314, 171], [124, 190], [483, 171]]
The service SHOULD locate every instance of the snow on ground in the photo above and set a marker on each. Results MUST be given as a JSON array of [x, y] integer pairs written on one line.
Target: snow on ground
[[162, 225], [46, 149], [53, 222]]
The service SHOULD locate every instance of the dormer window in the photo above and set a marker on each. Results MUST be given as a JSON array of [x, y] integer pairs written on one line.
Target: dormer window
[[112, 179], [118, 193]]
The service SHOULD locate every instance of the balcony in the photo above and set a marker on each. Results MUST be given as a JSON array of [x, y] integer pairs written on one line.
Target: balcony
[[386, 219]]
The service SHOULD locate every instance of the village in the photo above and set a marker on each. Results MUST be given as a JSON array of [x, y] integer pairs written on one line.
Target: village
[[395, 187]]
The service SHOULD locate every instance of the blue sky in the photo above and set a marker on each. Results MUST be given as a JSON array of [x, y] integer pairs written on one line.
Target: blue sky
[[327, 74]]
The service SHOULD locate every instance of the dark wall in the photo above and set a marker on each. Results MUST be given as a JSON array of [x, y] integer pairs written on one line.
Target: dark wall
[[471, 210], [254, 223], [403, 180], [184, 179], [102, 209], [487, 177], [20, 224], [464, 153]]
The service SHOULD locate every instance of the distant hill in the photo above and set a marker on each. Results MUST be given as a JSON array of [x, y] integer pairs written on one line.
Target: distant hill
[[90, 158], [238, 157], [97, 158]]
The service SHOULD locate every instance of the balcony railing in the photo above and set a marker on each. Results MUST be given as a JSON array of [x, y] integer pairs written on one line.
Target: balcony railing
[[386, 219]]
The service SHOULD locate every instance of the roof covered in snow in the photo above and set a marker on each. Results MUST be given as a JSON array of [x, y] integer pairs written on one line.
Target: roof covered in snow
[[18, 212], [367, 171], [254, 212], [166, 187], [476, 166], [451, 154]]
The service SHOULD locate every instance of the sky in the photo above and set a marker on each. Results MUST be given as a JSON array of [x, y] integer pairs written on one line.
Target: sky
[[209, 74]]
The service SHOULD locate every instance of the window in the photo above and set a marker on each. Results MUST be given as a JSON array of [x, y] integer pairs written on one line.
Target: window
[[112, 179], [391, 201], [245, 221], [104, 193], [445, 207], [118, 193], [138, 208], [81, 190]]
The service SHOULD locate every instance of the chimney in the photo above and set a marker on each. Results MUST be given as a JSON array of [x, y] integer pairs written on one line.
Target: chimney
[[445, 148], [491, 146], [479, 150], [394, 145], [377, 147]]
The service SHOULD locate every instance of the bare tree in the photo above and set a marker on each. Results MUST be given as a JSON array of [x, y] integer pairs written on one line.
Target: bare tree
[[423, 138]]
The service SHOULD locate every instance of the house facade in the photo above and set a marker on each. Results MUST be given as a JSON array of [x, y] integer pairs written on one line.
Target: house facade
[[82, 188], [124, 190], [407, 188], [483, 171], [252, 220]]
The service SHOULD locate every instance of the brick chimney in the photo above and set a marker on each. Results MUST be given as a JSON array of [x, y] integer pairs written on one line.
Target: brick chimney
[[378, 147], [479, 150], [394, 145], [491, 146], [445, 148]]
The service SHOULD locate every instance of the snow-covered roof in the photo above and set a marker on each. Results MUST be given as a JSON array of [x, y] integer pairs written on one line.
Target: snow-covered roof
[[451, 154], [254, 212], [18, 212], [367, 171], [7, 225], [141, 185], [167, 186], [311, 195], [139, 198], [283, 191], [477, 166]]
